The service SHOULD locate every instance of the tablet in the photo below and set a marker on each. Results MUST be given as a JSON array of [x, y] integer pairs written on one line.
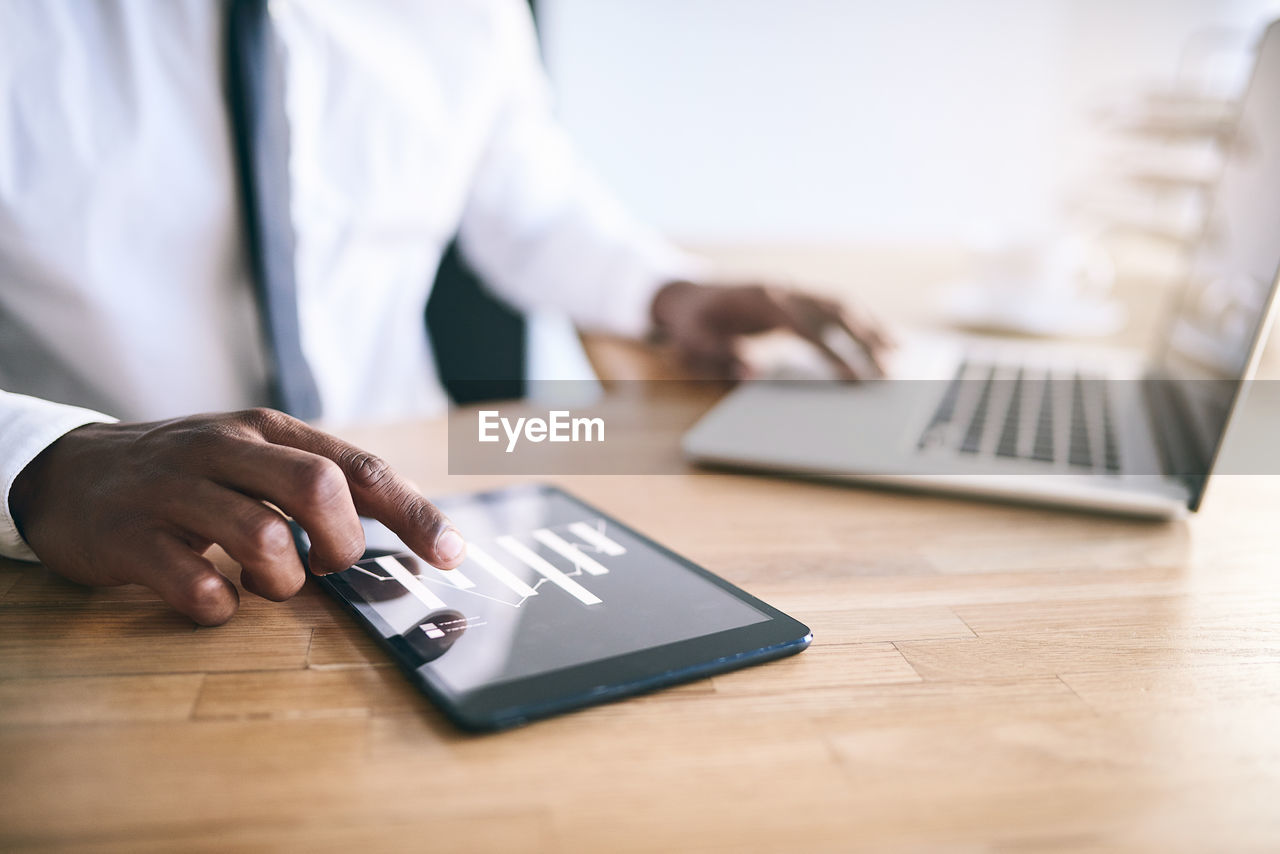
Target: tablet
[[557, 606]]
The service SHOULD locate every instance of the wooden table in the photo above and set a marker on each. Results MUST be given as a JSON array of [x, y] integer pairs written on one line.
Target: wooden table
[[984, 678]]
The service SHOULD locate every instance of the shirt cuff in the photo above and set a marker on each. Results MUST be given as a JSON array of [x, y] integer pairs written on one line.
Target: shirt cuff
[[28, 425], [630, 306]]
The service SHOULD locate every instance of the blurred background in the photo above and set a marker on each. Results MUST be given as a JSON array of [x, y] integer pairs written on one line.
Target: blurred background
[[1037, 168], [819, 120]]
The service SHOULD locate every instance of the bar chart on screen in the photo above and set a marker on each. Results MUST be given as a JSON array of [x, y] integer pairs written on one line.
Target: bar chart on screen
[[508, 569]]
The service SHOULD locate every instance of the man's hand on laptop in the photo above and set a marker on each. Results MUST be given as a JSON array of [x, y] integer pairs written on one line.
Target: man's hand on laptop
[[705, 323], [112, 504]]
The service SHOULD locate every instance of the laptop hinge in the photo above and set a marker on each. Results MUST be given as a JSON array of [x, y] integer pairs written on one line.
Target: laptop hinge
[[1181, 456]]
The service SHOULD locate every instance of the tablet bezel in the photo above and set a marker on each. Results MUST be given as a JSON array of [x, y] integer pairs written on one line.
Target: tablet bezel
[[512, 702]]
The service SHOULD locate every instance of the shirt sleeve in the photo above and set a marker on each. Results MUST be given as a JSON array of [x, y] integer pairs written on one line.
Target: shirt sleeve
[[541, 229], [28, 425]]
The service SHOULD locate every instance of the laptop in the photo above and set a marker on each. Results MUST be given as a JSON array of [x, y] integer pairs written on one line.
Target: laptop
[[1094, 429]]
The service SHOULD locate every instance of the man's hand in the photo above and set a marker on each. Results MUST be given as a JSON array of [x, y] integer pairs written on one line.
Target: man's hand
[[114, 504], [705, 322]]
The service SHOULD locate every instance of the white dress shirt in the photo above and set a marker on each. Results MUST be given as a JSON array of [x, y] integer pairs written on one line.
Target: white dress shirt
[[124, 283]]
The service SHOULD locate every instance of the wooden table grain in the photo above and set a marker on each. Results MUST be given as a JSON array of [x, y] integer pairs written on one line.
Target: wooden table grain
[[984, 678]]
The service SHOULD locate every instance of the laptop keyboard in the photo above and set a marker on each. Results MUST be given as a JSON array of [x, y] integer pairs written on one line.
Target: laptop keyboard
[[1020, 412]]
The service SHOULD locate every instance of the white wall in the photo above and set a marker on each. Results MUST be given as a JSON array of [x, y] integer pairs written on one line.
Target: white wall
[[819, 120]]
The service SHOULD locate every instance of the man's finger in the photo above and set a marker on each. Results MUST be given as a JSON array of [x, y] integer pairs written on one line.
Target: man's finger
[[309, 487], [867, 329], [867, 339], [376, 490], [819, 318], [187, 581], [811, 322], [254, 535]]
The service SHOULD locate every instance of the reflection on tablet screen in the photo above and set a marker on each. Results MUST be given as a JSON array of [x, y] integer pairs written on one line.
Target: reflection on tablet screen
[[546, 585]]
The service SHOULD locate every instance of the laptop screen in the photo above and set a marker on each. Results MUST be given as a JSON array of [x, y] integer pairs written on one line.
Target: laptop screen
[[1218, 320]]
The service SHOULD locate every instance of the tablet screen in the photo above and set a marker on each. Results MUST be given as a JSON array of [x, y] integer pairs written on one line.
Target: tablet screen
[[548, 584]]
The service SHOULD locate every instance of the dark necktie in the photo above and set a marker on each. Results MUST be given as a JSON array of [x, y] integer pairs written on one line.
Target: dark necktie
[[260, 129]]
